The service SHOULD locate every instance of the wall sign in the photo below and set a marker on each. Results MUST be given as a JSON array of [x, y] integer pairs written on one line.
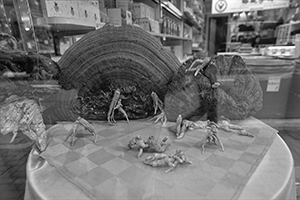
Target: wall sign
[[231, 6]]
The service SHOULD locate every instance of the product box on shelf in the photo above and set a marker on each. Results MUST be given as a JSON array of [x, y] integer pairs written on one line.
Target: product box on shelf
[[125, 4], [72, 9], [281, 51], [103, 4], [144, 23], [86, 10], [170, 26], [96, 11], [148, 24], [53, 8], [150, 13], [155, 26], [103, 16], [128, 17], [139, 10], [61, 8], [142, 10], [89, 11], [96, 17], [119, 16]]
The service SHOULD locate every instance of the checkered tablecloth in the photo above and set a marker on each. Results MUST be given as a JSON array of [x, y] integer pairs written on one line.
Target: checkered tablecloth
[[109, 170]]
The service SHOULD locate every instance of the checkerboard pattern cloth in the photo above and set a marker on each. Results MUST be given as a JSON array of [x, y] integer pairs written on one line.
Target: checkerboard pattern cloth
[[109, 170]]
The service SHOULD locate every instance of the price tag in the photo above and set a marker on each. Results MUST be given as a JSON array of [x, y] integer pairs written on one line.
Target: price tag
[[273, 84]]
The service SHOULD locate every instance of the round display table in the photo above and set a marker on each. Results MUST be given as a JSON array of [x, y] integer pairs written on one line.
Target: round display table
[[250, 168]]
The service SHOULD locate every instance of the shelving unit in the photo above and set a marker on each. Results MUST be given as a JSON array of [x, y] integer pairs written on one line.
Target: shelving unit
[[265, 29], [284, 33], [78, 17], [186, 14], [66, 24], [170, 37]]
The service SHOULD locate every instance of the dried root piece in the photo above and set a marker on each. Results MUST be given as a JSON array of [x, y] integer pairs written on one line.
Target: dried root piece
[[151, 145], [183, 125], [158, 104], [225, 125], [212, 136], [116, 104], [162, 160]]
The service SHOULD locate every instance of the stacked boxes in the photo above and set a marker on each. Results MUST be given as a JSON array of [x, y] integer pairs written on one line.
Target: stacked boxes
[[145, 17], [143, 11], [104, 4], [67, 9], [150, 13], [89, 10], [117, 12], [119, 16], [72, 9], [139, 10], [85, 10], [125, 4], [148, 24]]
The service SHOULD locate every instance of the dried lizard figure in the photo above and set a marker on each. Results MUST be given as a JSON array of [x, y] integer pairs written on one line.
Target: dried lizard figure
[[86, 125], [211, 136], [183, 125], [162, 160]]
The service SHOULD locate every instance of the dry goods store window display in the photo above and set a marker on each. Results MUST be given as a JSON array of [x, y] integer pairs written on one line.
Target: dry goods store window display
[[103, 93], [270, 32], [254, 29]]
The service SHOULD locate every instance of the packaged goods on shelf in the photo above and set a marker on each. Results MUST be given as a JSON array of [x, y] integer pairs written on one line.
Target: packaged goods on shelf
[[150, 13], [139, 10], [125, 4], [119, 16], [103, 16], [155, 26], [142, 10], [128, 17], [89, 10], [107, 4], [144, 23], [78, 10], [286, 33], [170, 26], [148, 24], [68, 9], [281, 51]]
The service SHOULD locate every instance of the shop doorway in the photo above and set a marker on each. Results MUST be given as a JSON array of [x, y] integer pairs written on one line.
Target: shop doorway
[[217, 34]]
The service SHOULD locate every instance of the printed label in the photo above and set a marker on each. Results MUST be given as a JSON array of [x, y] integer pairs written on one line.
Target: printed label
[[273, 84]]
